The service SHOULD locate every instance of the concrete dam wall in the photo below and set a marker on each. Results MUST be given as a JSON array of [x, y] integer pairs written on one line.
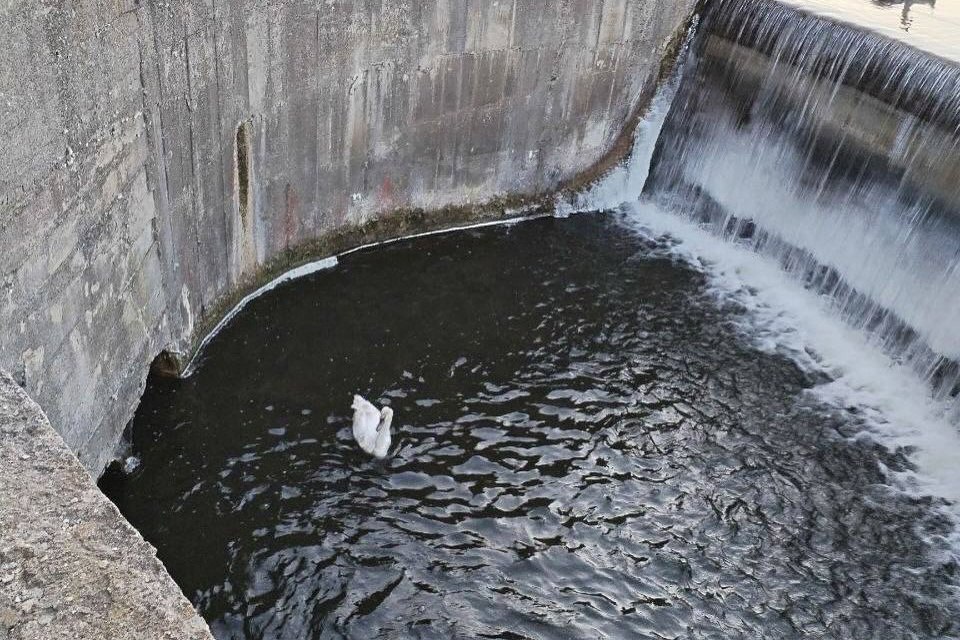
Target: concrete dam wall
[[159, 157]]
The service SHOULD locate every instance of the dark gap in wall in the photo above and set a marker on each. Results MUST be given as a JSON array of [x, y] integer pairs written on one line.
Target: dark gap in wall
[[243, 171], [167, 365]]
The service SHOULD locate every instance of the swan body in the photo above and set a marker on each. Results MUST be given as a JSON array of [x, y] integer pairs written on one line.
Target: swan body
[[371, 428]]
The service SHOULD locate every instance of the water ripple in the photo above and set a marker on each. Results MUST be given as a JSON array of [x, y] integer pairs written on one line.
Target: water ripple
[[585, 448]]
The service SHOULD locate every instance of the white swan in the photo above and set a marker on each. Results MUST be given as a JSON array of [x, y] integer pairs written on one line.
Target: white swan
[[371, 428]]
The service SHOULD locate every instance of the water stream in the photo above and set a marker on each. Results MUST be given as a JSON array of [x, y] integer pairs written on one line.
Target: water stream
[[587, 447]]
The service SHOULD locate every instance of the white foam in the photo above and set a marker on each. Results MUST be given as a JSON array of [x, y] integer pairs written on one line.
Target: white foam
[[293, 274], [784, 317], [885, 249], [511, 217]]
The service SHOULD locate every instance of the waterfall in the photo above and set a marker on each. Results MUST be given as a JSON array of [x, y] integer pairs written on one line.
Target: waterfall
[[819, 164], [836, 153]]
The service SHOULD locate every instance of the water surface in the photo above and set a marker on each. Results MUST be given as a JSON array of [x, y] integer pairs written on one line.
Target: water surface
[[930, 25], [585, 448]]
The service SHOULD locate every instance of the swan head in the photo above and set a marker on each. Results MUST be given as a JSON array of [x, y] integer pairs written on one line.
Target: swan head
[[386, 417]]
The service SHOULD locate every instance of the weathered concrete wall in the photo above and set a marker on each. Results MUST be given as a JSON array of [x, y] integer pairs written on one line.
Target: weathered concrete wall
[[156, 154], [70, 565]]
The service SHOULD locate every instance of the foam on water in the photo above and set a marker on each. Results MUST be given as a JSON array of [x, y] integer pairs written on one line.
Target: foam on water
[[784, 316], [836, 153], [288, 276], [866, 236], [511, 217]]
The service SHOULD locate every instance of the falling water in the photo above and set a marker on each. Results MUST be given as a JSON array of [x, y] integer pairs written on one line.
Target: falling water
[[812, 169], [836, 153]]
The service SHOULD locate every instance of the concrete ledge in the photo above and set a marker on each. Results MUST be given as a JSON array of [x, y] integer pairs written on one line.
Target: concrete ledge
[[70, 565]]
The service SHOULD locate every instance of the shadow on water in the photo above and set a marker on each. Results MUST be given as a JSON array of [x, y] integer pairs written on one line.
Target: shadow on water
[[584, 448]]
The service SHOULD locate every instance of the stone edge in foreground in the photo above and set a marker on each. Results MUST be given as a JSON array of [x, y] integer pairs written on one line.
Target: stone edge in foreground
[[70, 565]]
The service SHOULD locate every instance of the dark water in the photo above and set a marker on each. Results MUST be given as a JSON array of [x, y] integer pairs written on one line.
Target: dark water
[[585, 449]]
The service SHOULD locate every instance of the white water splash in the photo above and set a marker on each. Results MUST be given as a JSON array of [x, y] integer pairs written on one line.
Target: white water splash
[[887, 250], [830, 150], [784, 317], [627, 179]]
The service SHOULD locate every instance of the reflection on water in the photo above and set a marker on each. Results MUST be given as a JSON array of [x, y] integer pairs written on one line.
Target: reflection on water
[[585, 448], [905, 20], [926, 24]]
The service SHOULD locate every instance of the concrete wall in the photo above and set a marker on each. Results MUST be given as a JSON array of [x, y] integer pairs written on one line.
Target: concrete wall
[[124, 220], [70, 565]]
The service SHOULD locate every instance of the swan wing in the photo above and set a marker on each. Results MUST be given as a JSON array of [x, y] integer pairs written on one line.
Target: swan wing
[[366, 418], [382, 446]]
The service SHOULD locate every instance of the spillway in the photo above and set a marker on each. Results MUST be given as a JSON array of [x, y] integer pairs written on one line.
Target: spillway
[[809, 164], [836, 153]]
